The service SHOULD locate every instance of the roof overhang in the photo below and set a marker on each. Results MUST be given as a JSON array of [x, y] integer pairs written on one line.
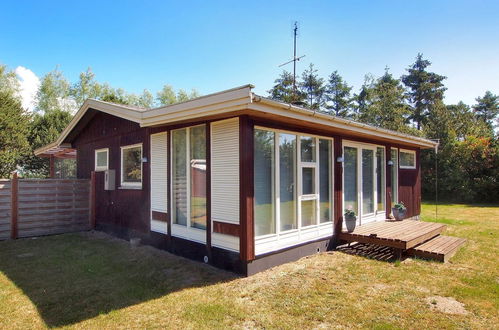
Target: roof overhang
[[225, 102]]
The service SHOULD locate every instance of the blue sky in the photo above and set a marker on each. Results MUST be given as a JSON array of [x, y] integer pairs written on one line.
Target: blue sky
[[213, 46]]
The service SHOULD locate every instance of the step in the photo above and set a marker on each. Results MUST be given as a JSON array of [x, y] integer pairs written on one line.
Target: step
[[440, 248]]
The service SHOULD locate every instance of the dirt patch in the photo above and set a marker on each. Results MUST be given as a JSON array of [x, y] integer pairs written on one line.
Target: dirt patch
[[447, 305]]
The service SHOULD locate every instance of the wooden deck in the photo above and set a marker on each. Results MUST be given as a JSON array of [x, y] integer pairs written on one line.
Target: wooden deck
[[401, 235], [441, 248]]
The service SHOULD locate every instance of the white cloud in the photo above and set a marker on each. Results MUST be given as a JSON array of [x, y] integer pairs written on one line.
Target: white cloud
[[29, 83]]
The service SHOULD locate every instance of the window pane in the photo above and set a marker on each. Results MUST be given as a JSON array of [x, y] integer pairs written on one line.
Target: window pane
[[102, 158], [308, 208], [197, 140], [367, 181], [407, 159], [380, 178], [325, 180], [308, 180], [179, 176], [132, 160], [307, 149], [264, 182], [287, 179], [350, 179], [394, 170]]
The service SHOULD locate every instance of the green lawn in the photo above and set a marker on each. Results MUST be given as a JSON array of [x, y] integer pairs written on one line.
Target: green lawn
[[90, 280]]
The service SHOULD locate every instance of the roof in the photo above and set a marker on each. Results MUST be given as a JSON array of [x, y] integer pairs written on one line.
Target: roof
[[231, 100]]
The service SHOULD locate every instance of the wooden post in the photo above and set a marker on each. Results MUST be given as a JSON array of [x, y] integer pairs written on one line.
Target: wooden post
[[388, 178], [52, 167], [246, 189], [14, 208], [208, 190], [92, 200]]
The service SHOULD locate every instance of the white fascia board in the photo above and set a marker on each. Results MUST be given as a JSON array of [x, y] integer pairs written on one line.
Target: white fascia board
[[202, 106], [287, 110]]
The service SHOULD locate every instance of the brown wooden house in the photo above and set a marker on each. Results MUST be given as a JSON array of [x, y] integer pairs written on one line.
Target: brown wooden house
[[238, 180]]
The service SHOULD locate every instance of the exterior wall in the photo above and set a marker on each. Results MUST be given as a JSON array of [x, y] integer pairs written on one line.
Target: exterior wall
[[121, 209], [410, 187]]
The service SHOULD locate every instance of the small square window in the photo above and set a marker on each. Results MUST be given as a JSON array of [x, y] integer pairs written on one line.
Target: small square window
[[407, 159], [101, 159], [307, 149], [131, 165]]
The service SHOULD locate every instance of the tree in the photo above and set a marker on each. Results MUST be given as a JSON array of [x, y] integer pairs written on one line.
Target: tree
[[43, 129], [146, 100], [53, 93], [86, 88], [338, 94], [487, 109], [425, 89], [13, 133], [312, 86], [382, 103], [166, 95], [283, 89], [8, 81]]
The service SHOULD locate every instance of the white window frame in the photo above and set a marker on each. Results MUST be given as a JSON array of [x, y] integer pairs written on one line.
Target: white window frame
[[187, 231], [377, 215], [413, 153], [101, 168], [135, 185], [395, 167], [282, 239]]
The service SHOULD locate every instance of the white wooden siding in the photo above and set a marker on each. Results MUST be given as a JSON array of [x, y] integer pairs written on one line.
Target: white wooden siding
[[225, 171], [159, 176]]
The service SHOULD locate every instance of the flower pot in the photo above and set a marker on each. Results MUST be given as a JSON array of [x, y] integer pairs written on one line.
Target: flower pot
[[350, 223], [399, 214]]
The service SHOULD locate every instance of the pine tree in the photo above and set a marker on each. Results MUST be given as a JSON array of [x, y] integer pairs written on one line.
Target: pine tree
[[13, 133], [338, 95], [487, 109], [283, 90], [313, 89], [425, 89]]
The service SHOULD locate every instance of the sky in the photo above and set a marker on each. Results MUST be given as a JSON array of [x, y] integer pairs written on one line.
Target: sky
[[217, 45]]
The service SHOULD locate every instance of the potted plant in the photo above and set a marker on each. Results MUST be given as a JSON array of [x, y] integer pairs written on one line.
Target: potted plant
[[350, 219], [399, 211]]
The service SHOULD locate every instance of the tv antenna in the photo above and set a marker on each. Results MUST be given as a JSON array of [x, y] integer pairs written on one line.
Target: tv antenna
[[295, 59]]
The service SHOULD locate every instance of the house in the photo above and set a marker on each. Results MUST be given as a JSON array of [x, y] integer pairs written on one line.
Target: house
[[237, 180]]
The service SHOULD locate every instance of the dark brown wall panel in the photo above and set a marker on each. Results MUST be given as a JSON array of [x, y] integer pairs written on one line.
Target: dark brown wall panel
[[127, 208]]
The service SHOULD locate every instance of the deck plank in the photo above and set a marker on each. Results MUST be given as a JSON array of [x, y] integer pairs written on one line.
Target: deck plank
[[440, 248]]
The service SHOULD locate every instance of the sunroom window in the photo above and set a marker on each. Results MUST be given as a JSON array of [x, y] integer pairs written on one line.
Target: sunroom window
[[292, 182]]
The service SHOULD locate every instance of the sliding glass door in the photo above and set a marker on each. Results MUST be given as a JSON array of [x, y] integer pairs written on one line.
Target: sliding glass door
[[364, 181]]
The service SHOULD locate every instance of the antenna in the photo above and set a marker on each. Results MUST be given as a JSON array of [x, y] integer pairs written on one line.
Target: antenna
[[295, 59]]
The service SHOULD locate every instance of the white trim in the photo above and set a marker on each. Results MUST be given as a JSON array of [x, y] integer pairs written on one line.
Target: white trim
[[124, 184], [187, 231], [282, 239], [101, 168], [411, 152], [230, 101]]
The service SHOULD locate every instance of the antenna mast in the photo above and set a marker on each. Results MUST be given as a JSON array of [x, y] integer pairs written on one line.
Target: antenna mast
[[295, 59]]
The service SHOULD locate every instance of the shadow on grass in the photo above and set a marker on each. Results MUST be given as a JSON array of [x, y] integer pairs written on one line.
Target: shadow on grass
[[74, 277]]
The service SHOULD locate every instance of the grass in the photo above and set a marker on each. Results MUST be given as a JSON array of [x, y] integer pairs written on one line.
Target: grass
[[90, 280]]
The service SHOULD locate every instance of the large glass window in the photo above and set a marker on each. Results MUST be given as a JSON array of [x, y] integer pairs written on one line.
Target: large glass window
[[350, 179], [197, 143], [179, 176], [367, 181], [287, 181], [292, 181], [131, 165], [264, 208], [189, 176], [380, 178], [325, 180]]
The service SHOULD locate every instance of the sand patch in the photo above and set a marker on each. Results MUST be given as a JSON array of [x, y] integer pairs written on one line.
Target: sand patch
[[447, 305]]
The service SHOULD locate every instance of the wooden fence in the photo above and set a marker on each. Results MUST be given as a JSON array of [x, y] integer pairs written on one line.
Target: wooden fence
[[35, 207]]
